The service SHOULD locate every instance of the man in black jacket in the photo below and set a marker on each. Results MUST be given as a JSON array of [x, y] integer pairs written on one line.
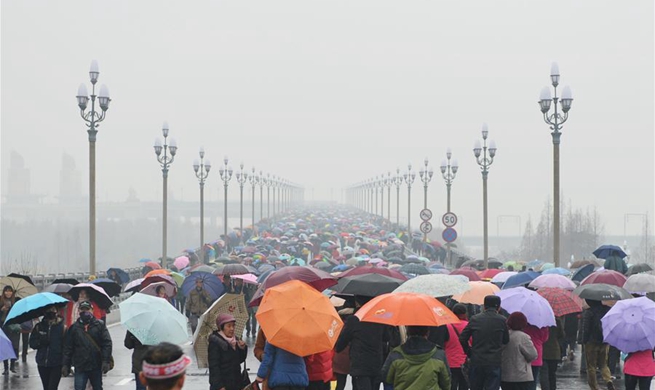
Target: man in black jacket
[[595, 349], [489, 334], [87, 348]]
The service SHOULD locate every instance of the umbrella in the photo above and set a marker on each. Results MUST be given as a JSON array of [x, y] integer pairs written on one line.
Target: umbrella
[[152, 265], [123, 276], [601, 292], [178, 278], [556, 271], [640, 283], [33, 306], [414, 269], [605, 251], [96, 294], [156, 272], [468, 272], [247, 278], [203, 268], [181, 262], [638, 268], [323, 265], [520, 279], [234, 269], [367, 269], [153, 320], [316, 278], [490, 273], [605, 276], [24, 277], [535, 307], [22, 287], [562, 302], [582, 263], [368, 285], [503, 276], [6, 348], [144, 260], [435, 285], [111, 288], [151, 289], [582, 272], [391, 309], [476, 294], [211, 284], [58, 288], [134, 285], [629, 325], [299, 319], [66, 280], [233, 304], [558, 281], [513, 264], [546, 266]]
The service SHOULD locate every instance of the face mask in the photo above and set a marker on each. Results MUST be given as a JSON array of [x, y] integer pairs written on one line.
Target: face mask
[[86, 316]]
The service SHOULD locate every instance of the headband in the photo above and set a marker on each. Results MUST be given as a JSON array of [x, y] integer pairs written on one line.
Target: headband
[[166, 370]]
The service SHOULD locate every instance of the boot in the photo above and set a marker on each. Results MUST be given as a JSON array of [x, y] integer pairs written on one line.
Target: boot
[[6, 371], [12, 366]]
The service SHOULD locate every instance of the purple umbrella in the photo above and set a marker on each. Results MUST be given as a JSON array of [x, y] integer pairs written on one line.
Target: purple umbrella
[[629, 325], [6, 349], [535, 307], [553, 280]]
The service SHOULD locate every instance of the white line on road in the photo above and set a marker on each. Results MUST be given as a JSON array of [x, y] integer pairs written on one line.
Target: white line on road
[[124, 382]]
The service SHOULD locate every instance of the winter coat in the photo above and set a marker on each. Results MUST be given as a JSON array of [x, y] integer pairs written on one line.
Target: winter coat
[[571, 322], [417, 365], [225, 363], [539, 336], [615, 263], [80, 352], [454, 351], [258, 351], [516, 358], [48, 341], [198, 302], [282, 368], [551, 348], [131, 342], [319, 366], [488, 331], [341, 361], [592, 328], [640, 364], [367, 341]]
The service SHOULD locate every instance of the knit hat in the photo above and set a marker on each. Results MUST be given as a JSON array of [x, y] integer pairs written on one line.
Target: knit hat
[[517, 321], [492, 301], [86, 305], [223, 319]]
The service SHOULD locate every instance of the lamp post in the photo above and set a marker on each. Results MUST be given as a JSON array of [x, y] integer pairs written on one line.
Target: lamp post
[[426, 176], [555, 122], [225, 172], [448, 172], [165, 160], [254, 180], [375, 182], [242, 178], [409, 177], [398, 181], [484, 156], [268, 195], [262, 183], [273, 184], [388, 182], [91, 119], [201, 168]]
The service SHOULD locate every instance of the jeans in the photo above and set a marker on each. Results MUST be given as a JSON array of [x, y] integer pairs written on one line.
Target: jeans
[[457, 380], [484, 377], [597, 357], [548, 375], [50, 377], [631, 382], [535, 377], [93, 376], [139, 385], [366, 382]]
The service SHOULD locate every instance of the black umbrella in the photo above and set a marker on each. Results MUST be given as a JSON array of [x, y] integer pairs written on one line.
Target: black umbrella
[[24, 277], [415, 269], [638, 268], [582, 272], [234, 269], [368, 285], [111, 288], [601, 292], [66, 281]]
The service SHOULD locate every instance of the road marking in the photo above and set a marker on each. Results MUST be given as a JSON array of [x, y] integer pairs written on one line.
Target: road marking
[[124, 382]]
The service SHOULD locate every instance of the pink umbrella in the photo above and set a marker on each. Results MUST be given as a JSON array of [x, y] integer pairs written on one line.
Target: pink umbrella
[[151, 289], [96, 293], [468, 272], [605, 276], [247, 278], [553, 280], [181, 262]]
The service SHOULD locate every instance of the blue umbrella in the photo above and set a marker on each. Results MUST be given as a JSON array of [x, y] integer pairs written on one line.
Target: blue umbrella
[[6, 348], [122, 275], [557, 271], [340, 268], [144, 260], [582, 272], [605, 251], [33, 306], [211, 284], [520, 279]]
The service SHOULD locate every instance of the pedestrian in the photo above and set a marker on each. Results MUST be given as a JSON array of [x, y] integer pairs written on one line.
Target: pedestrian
[[87, 348], [47, 338], [164, 367], [12, 331], [417, 364], [516, 370], [258, 351], [615, 263], [571, 322], [341, 360], [319, 370], [284, 370], [552, 356], [226, 353], [596, 351], [139, 351], [454, 352], [85, 296], [639, 369], [197, 303], [25, 330], [488, 334], [539, 336]]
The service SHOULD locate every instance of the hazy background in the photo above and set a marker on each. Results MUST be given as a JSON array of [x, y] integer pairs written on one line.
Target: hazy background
[[328, 93]]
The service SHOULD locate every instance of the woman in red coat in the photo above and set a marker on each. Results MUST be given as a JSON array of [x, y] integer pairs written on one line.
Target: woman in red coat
[[319, 370]]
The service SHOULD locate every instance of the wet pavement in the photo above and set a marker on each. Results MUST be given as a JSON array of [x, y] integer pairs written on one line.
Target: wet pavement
[[27, 378]]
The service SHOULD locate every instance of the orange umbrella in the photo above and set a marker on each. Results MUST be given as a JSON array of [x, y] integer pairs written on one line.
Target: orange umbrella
[[157, 272], [476, 294], [406, 309], [299, 319]]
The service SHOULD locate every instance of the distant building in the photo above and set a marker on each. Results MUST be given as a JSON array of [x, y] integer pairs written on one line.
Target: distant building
[[18, 180], [70, 181]]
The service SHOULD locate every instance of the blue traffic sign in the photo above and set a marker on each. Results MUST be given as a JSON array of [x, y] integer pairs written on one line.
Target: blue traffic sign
[[449, 234]]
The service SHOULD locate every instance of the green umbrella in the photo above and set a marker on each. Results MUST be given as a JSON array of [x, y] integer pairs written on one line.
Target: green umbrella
[[153, 320]]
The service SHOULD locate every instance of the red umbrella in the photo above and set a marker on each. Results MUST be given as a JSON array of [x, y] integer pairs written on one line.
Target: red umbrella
[[369, 269], [490, 273], [316, 278], [562, 301], [152, 265], [605, 276], [468, 272]]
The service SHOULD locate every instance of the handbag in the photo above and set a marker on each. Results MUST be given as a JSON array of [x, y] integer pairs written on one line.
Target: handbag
[[111, 358], [466, 366]]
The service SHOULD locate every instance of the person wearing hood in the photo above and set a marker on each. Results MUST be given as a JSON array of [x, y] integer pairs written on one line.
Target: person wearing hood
[[417, 364], [226, 353], [595, 349]]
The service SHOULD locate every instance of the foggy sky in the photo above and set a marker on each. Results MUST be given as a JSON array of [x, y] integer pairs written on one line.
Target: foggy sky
[[328, 93]]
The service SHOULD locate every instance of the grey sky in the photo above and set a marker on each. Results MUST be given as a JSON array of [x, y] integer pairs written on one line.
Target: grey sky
[[327, 93]]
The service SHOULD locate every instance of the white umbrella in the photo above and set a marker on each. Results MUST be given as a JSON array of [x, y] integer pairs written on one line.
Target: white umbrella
[[640, 283], [503, 276], [436, 285]]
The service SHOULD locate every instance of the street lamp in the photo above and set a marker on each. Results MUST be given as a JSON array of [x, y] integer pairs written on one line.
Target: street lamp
[[388, 182], [398, 181], [165, 160], [268, 195], [485, 157], [242, 178], [262, 183], [448, 172], [254, 180], [409, 177], [92, 118], [425, 175], [201, 168], [273, 184], [555, 122], [225, 172]]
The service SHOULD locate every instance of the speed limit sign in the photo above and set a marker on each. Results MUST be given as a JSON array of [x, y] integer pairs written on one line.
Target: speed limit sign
[[449, 219]]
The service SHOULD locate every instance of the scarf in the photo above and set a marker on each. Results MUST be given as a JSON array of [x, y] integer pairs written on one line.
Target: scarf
[[231, 340]]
